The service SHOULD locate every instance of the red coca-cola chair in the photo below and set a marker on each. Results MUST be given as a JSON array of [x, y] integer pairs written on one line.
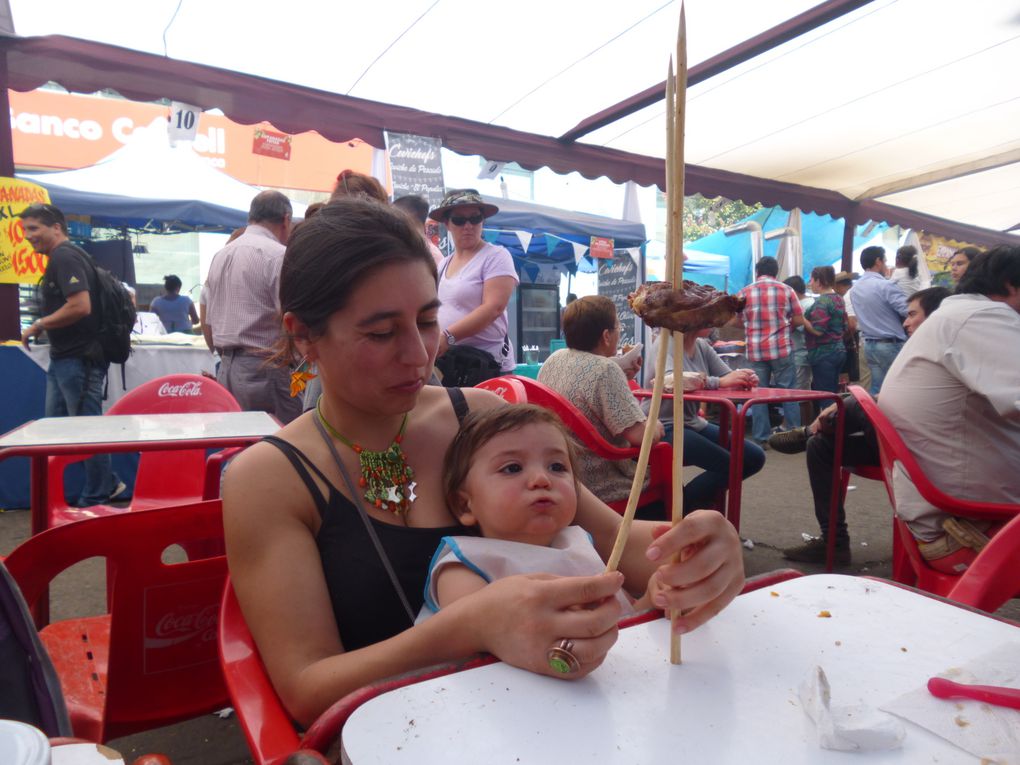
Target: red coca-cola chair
[[168, 477], [517, 389], [151, 660], [909, 567]]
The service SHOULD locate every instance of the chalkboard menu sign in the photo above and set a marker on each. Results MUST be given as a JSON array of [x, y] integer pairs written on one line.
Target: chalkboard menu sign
[[617, 279], [416, 166]]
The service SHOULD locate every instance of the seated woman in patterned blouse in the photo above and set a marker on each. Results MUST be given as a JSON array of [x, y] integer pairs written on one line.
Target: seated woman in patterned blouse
[[586, 375]]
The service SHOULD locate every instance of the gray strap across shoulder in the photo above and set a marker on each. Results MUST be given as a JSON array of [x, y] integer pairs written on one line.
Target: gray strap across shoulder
[[356, 499]]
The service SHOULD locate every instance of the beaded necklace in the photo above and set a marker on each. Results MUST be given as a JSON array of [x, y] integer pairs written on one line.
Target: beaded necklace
[[385, 476]]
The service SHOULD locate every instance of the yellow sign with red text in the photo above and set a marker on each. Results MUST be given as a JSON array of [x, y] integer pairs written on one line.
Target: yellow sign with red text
[[19, 263]]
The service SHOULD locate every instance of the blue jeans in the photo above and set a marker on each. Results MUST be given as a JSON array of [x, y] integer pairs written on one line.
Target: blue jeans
[[777, 373], [702, 449], [880, 357], [74, 388], [826, 364]]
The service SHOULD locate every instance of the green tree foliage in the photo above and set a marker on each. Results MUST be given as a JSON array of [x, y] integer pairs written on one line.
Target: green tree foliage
[[706, 216]]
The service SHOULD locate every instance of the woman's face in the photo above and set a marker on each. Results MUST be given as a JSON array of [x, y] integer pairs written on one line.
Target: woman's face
[[465, 225], [520, 487], [958, 266], [377, 352]]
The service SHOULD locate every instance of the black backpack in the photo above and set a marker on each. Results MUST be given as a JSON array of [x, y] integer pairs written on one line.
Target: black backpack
[[116, 315]]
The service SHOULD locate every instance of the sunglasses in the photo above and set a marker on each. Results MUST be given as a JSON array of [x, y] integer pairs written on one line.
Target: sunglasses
[[457, 220]]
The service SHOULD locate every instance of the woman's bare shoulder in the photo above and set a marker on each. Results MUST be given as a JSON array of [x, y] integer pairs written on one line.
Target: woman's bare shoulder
[[262, 476]]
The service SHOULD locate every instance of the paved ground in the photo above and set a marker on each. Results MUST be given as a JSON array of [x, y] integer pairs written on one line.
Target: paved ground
[[776, 510]]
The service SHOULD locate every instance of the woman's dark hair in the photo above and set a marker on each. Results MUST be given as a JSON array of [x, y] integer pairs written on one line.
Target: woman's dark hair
[[332, 253], [480, 427], [172, 283], [352, 184], [969, 252], [824, 275], [930, 299], [990, 272], [906, 257], [586, 319], [796, 283]]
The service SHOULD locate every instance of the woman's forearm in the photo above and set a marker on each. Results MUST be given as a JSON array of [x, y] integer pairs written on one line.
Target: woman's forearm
[[480, 318], [445, 636]]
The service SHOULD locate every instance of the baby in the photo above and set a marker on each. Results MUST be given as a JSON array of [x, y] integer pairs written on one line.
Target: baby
[[510, 472]]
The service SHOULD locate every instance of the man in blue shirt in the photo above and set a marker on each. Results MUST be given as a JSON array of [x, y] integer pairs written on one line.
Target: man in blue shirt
[[881, 307]]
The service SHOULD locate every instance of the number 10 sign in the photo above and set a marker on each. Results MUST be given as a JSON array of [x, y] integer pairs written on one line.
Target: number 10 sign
[[183, 121]]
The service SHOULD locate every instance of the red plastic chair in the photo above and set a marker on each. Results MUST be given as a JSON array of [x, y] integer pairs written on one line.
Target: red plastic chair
[[508, 388], [660, 459], [151, 660], [994, 576], [269, 730], [913, 569], [169, 477]]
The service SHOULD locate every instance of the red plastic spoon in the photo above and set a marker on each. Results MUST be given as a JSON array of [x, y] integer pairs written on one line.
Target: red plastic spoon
[[990, 694]]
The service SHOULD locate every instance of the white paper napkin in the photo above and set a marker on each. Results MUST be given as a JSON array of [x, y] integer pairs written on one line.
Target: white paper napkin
[[989, 732], [856, 728]]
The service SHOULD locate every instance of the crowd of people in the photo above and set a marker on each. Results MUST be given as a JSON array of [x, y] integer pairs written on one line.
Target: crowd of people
[[403, 517]]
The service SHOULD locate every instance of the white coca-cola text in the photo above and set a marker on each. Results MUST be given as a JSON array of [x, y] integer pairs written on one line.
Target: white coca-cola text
[[180, 391], [179, 625]]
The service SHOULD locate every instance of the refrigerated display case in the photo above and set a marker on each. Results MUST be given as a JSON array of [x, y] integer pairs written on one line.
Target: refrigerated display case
[[538, 321]]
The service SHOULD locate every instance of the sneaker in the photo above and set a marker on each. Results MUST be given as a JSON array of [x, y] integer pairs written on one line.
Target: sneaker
[[814, 552], [790, 441], [120, 493]]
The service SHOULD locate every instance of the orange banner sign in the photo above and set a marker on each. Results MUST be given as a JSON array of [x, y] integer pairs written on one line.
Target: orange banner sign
[[19, 263], [53, 130]]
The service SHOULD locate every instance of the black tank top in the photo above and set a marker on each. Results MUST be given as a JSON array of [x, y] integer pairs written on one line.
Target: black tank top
[[366, 606]]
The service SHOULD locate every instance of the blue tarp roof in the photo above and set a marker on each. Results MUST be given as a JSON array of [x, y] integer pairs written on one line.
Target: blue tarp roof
[[821, 243]]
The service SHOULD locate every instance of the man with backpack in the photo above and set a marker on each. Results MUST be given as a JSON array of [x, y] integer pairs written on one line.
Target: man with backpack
[[70, 317]]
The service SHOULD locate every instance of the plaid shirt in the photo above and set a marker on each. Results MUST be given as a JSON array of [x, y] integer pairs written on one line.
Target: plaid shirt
[[770, 306]]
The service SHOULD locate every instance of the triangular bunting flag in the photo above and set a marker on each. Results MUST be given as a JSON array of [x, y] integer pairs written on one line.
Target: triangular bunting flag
[[524, 237], [579, 251], [550, 243]]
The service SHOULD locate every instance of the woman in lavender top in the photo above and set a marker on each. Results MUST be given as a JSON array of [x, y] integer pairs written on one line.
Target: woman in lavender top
[[475, 282]]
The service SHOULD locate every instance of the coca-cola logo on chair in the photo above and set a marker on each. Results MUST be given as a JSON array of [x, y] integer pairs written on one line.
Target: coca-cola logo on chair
[[184, 390]]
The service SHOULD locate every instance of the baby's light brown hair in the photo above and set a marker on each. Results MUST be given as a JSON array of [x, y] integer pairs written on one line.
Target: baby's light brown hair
[[481, 427]]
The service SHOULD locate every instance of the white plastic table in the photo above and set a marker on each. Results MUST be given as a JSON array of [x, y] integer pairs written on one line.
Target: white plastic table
[[51, 436], [733, 700]]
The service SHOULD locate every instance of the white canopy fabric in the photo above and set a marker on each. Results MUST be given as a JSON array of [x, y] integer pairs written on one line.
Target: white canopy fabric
[[150, 168], [909, 102]]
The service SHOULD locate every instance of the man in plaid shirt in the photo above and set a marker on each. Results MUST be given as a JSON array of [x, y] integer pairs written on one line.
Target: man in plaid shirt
[[772, 309]]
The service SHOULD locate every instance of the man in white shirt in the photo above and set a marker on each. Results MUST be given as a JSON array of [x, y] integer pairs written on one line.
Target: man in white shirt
[[953, 394], [240, 310]]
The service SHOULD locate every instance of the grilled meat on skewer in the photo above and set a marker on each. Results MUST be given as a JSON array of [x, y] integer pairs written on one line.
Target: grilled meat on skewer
[[694, 307]]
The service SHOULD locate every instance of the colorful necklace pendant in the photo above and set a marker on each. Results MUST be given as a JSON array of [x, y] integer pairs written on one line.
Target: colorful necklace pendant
[[386, 478]]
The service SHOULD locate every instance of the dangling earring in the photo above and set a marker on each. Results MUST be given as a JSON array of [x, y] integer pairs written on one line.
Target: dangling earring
[[300, 376]]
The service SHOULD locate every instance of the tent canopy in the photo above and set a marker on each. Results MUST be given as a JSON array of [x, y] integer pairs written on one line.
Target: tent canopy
[[546, 235], [149, 182], [893, 110]]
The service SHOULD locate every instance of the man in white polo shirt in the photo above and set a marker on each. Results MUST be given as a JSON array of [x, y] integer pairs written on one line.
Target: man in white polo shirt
[[953, 394]]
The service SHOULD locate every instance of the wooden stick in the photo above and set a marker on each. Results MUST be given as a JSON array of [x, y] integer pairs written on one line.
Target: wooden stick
[[653, 411], [675, 261]]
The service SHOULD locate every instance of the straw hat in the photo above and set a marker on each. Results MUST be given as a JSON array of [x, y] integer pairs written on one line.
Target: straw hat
[[459, 197], [846, 276]]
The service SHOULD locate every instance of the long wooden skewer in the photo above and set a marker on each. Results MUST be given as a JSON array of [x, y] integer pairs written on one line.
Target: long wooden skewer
[[674, 239], [675, 260]]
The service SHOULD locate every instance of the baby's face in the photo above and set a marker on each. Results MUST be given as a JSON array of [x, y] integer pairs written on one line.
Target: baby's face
[[520, 487]]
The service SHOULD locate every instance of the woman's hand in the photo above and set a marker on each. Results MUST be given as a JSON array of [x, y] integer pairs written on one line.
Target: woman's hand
[[739, 378], [519, 618], [710, 572]]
